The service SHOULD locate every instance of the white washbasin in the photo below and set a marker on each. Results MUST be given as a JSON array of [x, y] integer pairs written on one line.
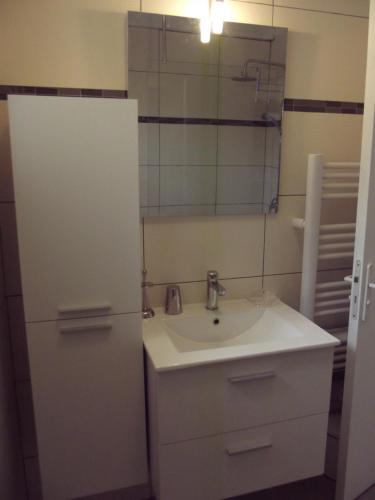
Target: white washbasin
[[239, 329], [213, 326], [208, 329]]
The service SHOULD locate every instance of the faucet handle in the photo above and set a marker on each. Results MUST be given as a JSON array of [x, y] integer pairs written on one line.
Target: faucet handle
[[212, 275]]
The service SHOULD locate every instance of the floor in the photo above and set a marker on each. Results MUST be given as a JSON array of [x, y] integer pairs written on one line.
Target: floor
[[317, 488]]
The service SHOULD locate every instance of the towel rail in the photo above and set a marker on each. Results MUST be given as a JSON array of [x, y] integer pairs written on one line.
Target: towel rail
[[330, 312], [334, 293], [337, 164], [337, 236], [327, 242], [332, 284], [336, 255], [334, 227], [336, 196]]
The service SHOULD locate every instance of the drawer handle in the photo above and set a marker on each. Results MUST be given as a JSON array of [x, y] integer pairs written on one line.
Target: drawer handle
[[251, 376], [258, 444], [71, 309], [94, 327]]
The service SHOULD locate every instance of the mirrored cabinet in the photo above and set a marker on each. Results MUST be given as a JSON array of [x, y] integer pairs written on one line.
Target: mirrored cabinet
[[210, 115]]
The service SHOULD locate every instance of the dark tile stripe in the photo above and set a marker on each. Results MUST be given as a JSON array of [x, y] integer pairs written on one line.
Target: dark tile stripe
[[204, 121], [5, 90], [316, 106], [306, 105]]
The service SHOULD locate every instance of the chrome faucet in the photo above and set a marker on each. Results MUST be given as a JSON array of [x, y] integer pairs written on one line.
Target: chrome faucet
[[214, 289]]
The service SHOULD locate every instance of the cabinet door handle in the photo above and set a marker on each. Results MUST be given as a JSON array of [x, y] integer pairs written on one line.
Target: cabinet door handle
[[248, 377], [256, 444], [92, 327], [79, 308]]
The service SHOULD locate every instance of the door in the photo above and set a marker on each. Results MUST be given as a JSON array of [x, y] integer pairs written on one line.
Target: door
[[75, 165], [87, 383], [356, 470]]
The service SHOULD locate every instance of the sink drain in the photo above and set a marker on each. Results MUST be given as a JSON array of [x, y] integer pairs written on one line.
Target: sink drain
[[216, 321]]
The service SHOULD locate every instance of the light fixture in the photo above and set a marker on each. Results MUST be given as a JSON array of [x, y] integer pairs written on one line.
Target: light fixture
[[205, 27], [217, 16], [212, 19]]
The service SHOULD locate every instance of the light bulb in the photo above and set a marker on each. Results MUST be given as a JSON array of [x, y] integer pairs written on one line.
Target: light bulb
[[205, 27], [217, 16]]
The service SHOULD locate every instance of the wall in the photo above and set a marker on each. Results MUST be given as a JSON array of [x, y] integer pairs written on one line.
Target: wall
[[82, 44]]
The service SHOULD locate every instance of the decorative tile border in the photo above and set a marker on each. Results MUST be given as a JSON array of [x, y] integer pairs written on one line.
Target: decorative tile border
[[302, 105], [205, 121], [315, 106], [5, 90]]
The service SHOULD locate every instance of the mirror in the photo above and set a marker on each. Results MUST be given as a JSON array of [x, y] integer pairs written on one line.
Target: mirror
[[210, 115]]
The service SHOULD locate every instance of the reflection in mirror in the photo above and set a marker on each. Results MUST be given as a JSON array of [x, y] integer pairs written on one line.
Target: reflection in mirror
[[210, 115]]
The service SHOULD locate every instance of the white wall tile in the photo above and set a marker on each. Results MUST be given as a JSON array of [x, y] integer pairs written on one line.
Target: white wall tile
[[144, 86], [286, 287], [337, 136], [180, 250], [326, 55], [188, 144], [188, 8], [26, 414], [187, 185], [18, 334], [349, 7], [188, 96], [241, 287], [239, 209], [185, 210], [8, 233], [284, 243], [241, 145], [196, 291], [190, 293], [65, 44], [6, 184], [239, 185], [148, 143], [247, 13], [143, 50]]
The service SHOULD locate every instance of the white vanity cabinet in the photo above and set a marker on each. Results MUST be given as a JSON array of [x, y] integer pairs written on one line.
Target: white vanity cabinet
[[225, 429], [75, 164]]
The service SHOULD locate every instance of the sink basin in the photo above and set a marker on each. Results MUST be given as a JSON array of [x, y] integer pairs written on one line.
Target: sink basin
[[212, 326], [239, 329], [222, 329]]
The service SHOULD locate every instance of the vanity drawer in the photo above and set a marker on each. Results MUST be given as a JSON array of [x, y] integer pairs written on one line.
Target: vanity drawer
[[229, 396], [245, 461]]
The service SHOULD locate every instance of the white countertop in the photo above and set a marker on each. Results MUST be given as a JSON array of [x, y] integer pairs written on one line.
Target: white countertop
[[165, 353]]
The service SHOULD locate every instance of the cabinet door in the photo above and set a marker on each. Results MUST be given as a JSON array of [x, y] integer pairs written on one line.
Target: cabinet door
[[75, 165], [87, 383]]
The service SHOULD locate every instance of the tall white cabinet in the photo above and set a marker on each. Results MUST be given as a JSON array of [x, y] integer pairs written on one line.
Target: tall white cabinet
[[75, 164]]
